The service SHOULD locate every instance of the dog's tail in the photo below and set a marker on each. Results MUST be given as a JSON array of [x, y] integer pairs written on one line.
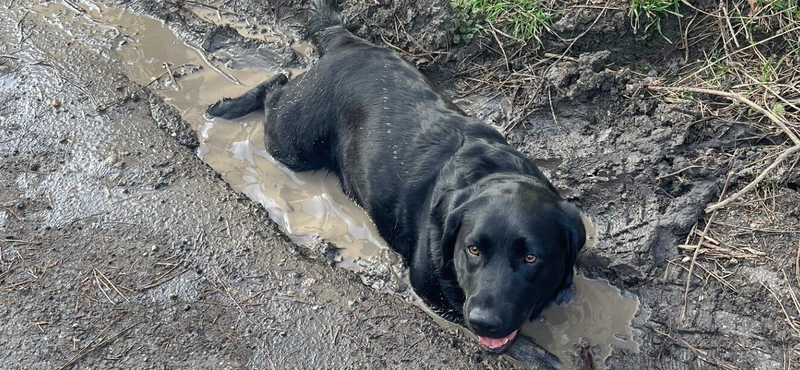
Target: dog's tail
[[325, 23]]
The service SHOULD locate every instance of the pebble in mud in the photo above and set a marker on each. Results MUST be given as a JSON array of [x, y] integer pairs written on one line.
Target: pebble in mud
[[114, 161]]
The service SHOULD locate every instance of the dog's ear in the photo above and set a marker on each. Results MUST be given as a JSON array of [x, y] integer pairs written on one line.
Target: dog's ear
[[447, 216], [575, 236]]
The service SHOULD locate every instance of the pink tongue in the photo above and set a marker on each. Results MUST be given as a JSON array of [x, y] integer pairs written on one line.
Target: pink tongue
[[497, 342]]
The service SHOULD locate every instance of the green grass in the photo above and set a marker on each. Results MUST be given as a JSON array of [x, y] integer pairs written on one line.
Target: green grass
[[524, 20], [767, 71], [647, 14]]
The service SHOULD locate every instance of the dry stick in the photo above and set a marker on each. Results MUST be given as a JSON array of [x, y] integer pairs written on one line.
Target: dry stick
[[552, 111], [739, 98], [239, 306], [206, 58], [100, 286], [786, 153], [112, 285], [161, 278], [499, 43]]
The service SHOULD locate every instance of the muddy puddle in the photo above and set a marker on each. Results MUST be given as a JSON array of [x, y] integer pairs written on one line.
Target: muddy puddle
[[306, 206]]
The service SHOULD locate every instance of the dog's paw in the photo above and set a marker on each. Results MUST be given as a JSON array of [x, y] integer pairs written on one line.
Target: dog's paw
[[282, 78], [565, 296], [216, 109]]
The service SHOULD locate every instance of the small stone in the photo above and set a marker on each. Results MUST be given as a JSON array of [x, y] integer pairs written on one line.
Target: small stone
[[154, 248], [112, 160], [55, 103]]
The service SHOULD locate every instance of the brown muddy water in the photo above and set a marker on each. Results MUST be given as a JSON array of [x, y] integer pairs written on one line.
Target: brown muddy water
[[306, 206]]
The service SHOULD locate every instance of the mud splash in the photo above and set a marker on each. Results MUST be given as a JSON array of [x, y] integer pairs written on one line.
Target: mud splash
[[306, 206]]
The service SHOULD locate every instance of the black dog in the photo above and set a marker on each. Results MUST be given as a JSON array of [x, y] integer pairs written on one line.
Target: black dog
[[486, 235]]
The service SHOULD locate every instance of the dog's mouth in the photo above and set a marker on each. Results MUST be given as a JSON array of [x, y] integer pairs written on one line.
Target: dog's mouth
[[498, 345]]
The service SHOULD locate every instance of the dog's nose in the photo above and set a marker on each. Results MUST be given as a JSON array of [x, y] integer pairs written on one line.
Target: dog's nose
[[483, 321]]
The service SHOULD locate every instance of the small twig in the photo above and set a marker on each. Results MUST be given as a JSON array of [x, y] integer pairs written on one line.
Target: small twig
[[239, 306], [100, 286], [785, 154], [559, 56], [500, 44], [11, 287], [111, 284], [21, 29], [171, 77], [552, 111], [207, 59], [294, 299], [21, 241], [677, 172], [161, 280], [400, 50]]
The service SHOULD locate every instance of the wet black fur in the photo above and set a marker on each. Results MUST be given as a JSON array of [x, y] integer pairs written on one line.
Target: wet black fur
[[433, 180]]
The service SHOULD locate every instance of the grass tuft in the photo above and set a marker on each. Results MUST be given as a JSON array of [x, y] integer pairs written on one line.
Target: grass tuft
[[524, 20], [647, 14]]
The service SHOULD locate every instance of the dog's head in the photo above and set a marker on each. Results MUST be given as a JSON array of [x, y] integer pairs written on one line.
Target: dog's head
[[513, 245]]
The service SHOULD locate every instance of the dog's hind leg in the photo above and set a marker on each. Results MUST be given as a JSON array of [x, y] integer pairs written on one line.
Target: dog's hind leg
[[250, 102]]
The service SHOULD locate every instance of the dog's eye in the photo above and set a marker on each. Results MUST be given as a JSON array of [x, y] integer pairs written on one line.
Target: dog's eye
[[473, 250], [531, 258]]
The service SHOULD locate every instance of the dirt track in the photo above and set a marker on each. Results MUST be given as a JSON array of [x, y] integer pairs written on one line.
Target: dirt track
[[122, 249]]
